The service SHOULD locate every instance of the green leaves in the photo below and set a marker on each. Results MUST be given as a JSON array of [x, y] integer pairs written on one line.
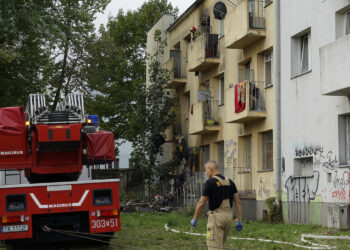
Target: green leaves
[[43, 47]]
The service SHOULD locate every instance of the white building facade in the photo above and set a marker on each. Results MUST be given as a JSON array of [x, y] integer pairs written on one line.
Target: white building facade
[[315, 111]]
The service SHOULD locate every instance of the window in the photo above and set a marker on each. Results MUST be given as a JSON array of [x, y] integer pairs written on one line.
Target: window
[[300, 53], [221, 27], [304, 53], [344, 139], [188, 100], [206, 155], [267, 150], [347, 23], [221, 91], [221, 156], [247, 153], [245, 72], [342, 22], [267, 69]]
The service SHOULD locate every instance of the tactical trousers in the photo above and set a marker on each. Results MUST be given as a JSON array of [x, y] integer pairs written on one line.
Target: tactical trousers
[[219, 223]]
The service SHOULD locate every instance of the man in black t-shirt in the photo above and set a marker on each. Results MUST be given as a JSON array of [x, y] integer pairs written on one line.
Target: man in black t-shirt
[[221, 192]]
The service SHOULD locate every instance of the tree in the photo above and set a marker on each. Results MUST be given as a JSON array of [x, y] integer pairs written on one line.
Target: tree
[[43, 47], [117, 69], [23, 54], [74, 29], [157, 115]]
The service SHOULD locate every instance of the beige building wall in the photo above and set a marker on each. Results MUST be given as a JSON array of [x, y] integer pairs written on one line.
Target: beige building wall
[[221, 135]]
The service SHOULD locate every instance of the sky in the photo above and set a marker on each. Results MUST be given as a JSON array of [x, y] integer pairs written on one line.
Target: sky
[[115, 5], [102, 18]]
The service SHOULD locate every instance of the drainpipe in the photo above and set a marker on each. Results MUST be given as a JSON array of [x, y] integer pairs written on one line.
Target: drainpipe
[[277, 78]]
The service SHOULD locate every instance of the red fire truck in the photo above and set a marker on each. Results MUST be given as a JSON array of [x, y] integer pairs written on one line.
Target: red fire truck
[[51, 148]]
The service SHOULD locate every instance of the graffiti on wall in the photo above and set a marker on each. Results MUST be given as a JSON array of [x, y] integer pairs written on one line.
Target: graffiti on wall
[[321, 159], [231, 150], [339, 194], [264, 189], [300, 190], [339, 183]]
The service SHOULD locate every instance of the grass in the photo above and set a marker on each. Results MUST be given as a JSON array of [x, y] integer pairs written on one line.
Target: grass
[[146, 231], [137, 227]]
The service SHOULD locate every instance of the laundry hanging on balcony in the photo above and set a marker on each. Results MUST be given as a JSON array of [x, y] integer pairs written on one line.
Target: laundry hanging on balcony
[[254, 97], [240, 96]]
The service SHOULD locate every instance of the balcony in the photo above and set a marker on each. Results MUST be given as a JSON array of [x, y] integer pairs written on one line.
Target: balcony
[[254, 107], [335, 65], [178, 76], [245, 24], [204, 118], [179, 129], [203, 53]]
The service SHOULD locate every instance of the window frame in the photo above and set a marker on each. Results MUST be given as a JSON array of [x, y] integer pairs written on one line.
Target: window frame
[[221, 28], [264, 148], [245, 155], [221, 91], [298, 53], [344, 139], [221, 155], [302, 53], [205, 160], [347, 23], [266, 61]]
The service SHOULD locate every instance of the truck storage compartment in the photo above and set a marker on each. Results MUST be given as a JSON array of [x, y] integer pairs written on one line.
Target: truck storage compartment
[[100, 146], [13, 139], [54, 138]]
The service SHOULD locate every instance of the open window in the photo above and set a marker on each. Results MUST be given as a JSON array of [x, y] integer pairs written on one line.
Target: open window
[[300, 53], [268, 68]]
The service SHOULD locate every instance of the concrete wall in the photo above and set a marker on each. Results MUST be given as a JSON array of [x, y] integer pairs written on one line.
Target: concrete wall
[[310, 119], [163, 23]]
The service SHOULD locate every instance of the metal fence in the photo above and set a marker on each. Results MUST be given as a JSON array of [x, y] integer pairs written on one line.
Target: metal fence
[[256, 14], [211, 45], [190, 192], [211, 111], [178, 72]]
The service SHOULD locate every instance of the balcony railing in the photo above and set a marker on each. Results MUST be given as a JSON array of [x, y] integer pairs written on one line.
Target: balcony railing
[[211, 114], [246, 24], [256, 14], [204, 118], [203, 52], [178, 129], [174, 64], [245, 102], [176, 55]]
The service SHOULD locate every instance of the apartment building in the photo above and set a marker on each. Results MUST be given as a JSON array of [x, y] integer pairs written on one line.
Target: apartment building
[[315, 108], [221, 54]]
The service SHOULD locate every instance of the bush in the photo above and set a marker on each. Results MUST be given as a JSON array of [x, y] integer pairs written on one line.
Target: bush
[[274, 211]]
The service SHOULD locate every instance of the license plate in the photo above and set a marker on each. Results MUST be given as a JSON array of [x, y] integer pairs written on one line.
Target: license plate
[[14, 228]]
